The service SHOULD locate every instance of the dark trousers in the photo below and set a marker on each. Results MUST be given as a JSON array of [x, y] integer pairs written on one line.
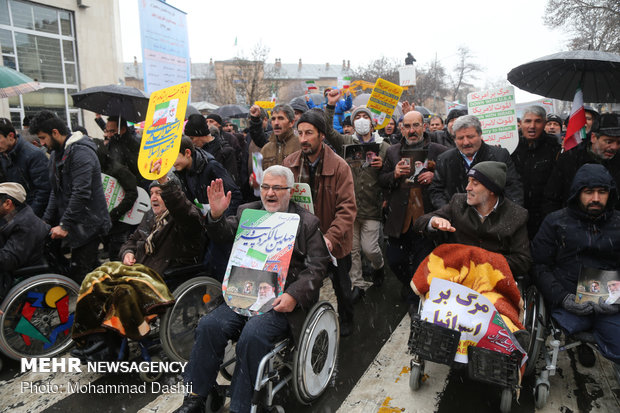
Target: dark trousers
[[256, 337], [341, 282], [606, 330], [404, 255], [84, 259], [216, 259]]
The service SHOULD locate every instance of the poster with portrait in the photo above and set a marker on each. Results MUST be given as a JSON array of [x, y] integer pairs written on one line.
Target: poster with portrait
[[418, 163], [594, 284], [360, 155], [260, 258]]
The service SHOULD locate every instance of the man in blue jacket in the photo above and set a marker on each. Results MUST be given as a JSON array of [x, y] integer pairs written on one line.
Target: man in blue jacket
[[342, 106], [77, 209], [585, 234], [23, 163]]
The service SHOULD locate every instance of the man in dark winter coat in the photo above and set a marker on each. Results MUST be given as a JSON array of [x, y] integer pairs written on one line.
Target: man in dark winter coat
[[256, 335], [124, 146], [77, 207], [483, 218], [170, 234], [22, 234], [585, 234], [454, 164], [23, 163], [445, 136], [534, 159], [196, 128], [407, 200], [601, 148]]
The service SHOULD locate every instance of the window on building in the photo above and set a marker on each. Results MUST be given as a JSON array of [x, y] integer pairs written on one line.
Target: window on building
[[39, 41]]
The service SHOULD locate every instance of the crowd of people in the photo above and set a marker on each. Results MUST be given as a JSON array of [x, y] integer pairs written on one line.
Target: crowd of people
[[550, 213]]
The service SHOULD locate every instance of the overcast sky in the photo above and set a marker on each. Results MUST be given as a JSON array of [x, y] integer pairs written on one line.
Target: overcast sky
[[500, 34]]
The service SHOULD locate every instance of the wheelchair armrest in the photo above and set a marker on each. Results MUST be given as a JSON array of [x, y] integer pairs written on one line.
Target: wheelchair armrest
[[184, 271], [31, 270]]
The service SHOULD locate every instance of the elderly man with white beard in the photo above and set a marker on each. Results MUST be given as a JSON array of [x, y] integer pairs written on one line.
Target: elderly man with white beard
[[256, 335]]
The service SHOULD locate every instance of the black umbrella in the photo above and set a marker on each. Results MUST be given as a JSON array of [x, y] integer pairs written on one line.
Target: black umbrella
[[232, 111], [113, 100], [558, 76]]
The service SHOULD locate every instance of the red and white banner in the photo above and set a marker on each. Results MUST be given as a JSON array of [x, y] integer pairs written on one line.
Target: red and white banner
[[576, 130]]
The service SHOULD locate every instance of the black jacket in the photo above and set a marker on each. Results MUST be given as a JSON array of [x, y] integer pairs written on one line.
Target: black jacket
[[22, 239], [225, 155], [77, 202], [558, 186], [570, 239], [442, 137], [124, 150], [503, 231], [198, 177], [534, 162], [28, 166], [451, 174], [123, 175]]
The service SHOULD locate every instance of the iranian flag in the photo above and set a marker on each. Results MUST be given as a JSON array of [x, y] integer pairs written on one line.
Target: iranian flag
[[576, 130], [311, 86]]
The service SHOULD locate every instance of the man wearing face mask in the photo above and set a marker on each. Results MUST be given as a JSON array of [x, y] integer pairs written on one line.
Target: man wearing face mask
[[367, 224], [407, 200]]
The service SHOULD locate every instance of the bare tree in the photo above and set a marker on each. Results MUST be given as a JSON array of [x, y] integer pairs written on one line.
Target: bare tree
[[246, 79], [593, 24], [463, 71], [384, 68], [431, 84]]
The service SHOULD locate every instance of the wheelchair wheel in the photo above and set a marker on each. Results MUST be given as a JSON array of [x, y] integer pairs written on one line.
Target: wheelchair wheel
[[314, 359], [194, 298], [534, 318], [38, 316], [505, 403], [151, 377], [541, 393], [415, 375]]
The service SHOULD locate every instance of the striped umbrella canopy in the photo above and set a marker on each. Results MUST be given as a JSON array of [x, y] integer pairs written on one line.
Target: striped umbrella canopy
[[13, 83]]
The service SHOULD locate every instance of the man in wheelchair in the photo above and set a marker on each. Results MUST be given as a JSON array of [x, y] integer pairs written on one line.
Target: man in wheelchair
[[585, 234], [22, 234], [256, 335]]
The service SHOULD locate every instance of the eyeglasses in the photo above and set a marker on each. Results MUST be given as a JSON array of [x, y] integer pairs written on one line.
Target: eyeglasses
[[276, 188], [112, 131], [412, 126]]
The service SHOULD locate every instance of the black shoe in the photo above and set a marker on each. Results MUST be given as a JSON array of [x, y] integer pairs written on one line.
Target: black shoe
[[377, 277], [523, 337], [586, 357], [357, 294], [346, 328], [192, 403], [215, 400]]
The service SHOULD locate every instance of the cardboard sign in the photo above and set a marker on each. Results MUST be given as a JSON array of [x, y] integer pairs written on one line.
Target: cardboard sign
[[454, 306], [266, 104], [406, 75], [303, 196], [114, 194], [264, 242], [161, 138], [383, 101], [496, 109]]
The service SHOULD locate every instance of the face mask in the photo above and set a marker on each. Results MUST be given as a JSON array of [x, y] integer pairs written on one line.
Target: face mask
[[362, 126]]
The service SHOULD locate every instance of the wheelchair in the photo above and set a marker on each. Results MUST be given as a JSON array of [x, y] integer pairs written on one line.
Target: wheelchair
[[308, 365], [542, 326], [37, 314]]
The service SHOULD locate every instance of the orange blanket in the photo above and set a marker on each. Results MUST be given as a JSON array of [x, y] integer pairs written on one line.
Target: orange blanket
[[481, 270]]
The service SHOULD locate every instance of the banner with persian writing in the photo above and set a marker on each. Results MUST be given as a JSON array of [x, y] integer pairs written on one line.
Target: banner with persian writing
[[497, 111]]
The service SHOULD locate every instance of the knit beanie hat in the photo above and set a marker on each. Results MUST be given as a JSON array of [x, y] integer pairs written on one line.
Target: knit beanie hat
[[196, 126], [491, 174], [361, 109], [14, 190], [216, 118], [314, 117]]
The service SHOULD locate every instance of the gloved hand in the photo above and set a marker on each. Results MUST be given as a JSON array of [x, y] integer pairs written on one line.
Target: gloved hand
[[607, 309], [571, 306]]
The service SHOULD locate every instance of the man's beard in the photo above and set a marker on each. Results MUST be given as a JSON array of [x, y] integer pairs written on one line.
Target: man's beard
[[596, 211]]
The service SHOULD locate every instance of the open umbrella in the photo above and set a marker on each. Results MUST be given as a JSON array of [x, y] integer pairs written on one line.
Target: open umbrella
[[361, 99], [232, 111], [13, 83], [113, 100], [558, 76]]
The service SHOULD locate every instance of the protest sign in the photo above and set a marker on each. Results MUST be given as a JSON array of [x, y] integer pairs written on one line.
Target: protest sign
[[406, 75], [457, 307], [261, 253], [161, 138], [496, 110], [383, 101], [266, 104], [114, 194], [344, 82], [302, 195], [257, 170]]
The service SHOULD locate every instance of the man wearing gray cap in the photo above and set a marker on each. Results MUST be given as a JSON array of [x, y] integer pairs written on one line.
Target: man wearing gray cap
[[22, 234], [483, 217]]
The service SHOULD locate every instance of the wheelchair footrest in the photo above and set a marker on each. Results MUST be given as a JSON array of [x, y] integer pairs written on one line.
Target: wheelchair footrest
[[432, 342], [493, 367]]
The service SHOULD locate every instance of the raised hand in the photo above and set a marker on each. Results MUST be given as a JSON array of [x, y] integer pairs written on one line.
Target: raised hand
[[218, 200]]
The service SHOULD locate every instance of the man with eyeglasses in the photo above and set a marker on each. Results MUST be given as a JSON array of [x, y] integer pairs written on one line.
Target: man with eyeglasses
[[408, 199], [256, 335], [23, 163], [453, 165]]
